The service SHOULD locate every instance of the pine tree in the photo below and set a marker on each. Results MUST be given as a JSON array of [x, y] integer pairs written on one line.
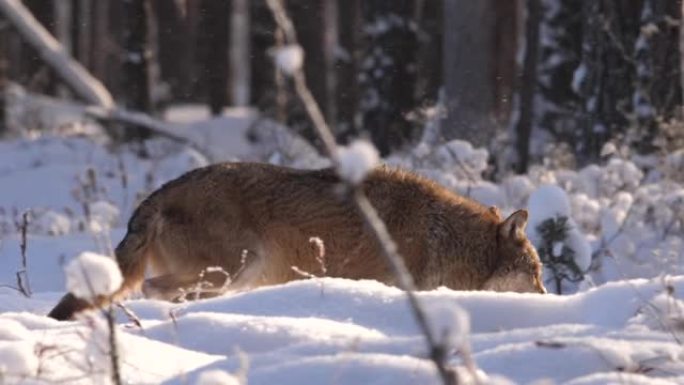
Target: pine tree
[[556, 256], [525, 120], [560, 50], [656, 63], [605, 78], [388, 72], [213, 40]]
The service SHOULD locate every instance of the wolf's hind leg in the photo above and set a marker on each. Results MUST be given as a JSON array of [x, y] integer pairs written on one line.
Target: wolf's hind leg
[[175, 287]]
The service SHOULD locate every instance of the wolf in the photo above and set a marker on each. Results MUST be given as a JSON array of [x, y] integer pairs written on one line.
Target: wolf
[[255, 222]]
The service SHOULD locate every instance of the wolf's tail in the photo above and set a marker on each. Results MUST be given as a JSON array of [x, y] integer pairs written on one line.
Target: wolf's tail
[[131, 255]]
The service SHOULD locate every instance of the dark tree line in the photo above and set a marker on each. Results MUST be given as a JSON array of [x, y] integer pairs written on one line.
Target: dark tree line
[[579, 72], [607, 70]]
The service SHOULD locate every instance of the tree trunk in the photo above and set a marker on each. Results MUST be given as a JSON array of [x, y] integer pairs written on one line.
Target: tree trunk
[[240, 53], [63, 11], [506, 42], [176, 54], [468, 68], [136, 63], [38, 77], [330, 46], [429, 19], [348, 116], [214, 40], [85, 33], [527, 85], [100, 40], [309, 20]]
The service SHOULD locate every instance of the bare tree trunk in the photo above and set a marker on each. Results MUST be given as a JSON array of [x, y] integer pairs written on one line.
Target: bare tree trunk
[[309, 17], [508, 16], [468, 68], [63, 22], [429, 19], [280, 84], [349, 117], [85, 11], [330, 45], [100, 40], [136, 66], [176, 42], [240, 53], [63, 11], [528, 85], [214, 41], [82, 83], [38, 78]]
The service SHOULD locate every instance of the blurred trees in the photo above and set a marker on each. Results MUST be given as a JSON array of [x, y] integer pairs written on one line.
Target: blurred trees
[[601, 71]]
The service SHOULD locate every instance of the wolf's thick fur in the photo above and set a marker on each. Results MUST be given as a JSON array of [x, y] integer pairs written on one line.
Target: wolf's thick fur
[[256, 220]]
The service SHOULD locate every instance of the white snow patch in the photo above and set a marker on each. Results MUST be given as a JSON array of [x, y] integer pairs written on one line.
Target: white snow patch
[[216, 377]]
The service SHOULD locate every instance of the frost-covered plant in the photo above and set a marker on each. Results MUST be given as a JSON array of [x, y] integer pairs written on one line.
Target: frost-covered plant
[[563, 249], [556, 256]]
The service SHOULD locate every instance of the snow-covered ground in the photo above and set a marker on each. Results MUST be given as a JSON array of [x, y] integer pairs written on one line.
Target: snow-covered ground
[[334, 331], [80, 193]]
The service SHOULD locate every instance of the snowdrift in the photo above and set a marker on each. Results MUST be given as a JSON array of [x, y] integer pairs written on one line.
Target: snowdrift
[[335, 331]]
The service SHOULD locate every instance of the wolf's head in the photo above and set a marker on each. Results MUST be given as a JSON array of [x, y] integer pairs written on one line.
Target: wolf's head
[[518, 268]]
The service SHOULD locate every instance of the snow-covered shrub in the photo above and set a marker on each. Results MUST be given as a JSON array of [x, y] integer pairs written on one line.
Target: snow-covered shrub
[[48, 222], [563, 249], [674, 166], [517, 189], [618, 175], [103, 215]]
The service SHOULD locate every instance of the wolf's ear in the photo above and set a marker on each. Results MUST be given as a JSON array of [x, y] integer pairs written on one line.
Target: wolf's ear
[[514, 226]]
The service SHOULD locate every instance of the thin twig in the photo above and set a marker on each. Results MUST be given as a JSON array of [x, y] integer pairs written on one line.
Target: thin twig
[[113, 348], [22, 275], [438, 352]]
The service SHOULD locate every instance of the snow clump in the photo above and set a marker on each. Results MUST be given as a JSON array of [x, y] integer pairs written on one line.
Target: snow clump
[[90, 275], [289, 58], [357, 160]]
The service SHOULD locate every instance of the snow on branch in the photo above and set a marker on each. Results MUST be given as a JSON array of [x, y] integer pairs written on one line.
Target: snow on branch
[[92, 275]]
